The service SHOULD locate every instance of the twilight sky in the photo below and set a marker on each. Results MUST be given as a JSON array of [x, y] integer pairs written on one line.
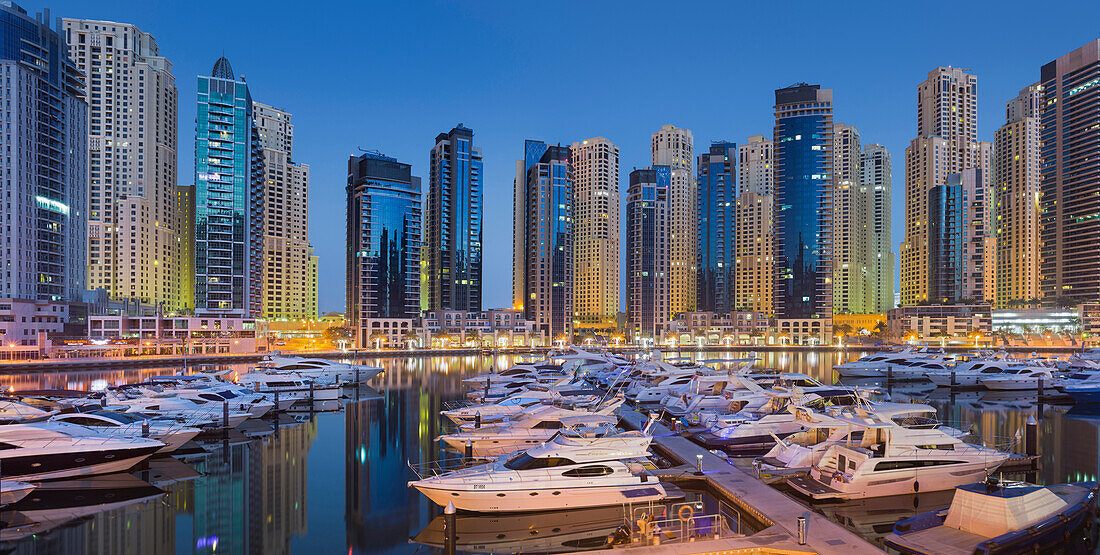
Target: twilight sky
[[389, 76]]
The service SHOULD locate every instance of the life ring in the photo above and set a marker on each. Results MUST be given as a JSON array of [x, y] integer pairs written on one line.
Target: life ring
[[685, 513]]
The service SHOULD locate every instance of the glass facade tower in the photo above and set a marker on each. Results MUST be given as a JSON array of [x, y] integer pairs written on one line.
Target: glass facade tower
[[228, 197], [803, 144], [647, 251], [452, 224], [44, 172], [716, 228]]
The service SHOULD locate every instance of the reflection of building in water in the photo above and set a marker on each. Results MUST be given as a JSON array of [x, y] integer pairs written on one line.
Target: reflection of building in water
[[147, 527], [1073, 436], [381, 435], [252, 497]]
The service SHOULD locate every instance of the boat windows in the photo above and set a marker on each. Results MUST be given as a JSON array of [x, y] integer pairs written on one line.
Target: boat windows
[[589, 471], [906, 465], [118, 417], [523, 461], [5, 446], [299, 367], [548, 425], [942, 447], [210, 397], [85, 421]]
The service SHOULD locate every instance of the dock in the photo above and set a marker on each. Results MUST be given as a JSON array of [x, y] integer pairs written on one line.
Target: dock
[[776, 514]]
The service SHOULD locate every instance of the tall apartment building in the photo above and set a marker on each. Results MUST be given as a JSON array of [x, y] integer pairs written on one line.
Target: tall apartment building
[[286, 250], [452, 224], [754, 268], [716, 185], [312, 308], [542, 268], [803, 151], [229, 192], [1015, 189], [133, 219], [44, 170], [674, 147], [946, 143], [1069, 115], [596, 233], [957, 233], [755, 168], [647, 253], [383, 242], [876, 186], [849, 230]]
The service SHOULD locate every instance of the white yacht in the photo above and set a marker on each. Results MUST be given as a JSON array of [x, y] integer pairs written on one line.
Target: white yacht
[[53, 450], [324, 371], [291, 386], [892, 460], [203, 389], [1018, 378], [184, 411], [568, 471], [124, 424], [531, 427], [969, 374], [13, 411]]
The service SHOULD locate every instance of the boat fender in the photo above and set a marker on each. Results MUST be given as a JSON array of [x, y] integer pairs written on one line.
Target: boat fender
[[685, 513], [916, 486]]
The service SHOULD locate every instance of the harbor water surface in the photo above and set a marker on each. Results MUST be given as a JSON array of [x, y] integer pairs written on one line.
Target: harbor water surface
[[335, 482]]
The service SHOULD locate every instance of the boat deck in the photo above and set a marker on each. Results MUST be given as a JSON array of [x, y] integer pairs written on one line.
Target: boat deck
[[778, 512], [941, 540]]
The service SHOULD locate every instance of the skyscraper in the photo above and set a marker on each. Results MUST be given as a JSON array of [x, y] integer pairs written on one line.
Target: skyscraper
[[596, 233], [647, 251], [286, 250], [452, 224], [383, 242], [1015, 189], [1069, 116], [957, 233], [673, 147], [543, 263], [229, 191], [876, 186], [45, 167], [849, 216], [803, 142], [946, 143], [753, 276], [133, 219], [716, 228]]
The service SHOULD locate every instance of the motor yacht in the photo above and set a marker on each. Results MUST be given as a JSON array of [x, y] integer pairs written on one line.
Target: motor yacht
[[291, 387], [184, 411], [892, 460], [529, 428], [565, 472], [130, 425], [327, 372], [876, 365], [14, 411], [53, 450], [207, 390], [1019, 378], [515, 403], [969, 374], [999, 517]]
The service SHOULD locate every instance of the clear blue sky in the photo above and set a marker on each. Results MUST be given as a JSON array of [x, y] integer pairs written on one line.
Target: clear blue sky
[[389, 76]]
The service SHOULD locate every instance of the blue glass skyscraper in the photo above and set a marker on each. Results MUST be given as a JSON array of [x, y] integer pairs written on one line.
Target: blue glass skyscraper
[[716, 204], [452, 224], [228, 198], [383, 241], [957, 230], [648, 260], [803, 150]]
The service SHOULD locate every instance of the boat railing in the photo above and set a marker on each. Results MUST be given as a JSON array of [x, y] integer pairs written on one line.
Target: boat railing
[[683, 522], [438, 467], [457, 404]]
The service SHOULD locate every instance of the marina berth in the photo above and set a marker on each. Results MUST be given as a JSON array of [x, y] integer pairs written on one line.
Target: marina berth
[[998, 517], [574, 469]]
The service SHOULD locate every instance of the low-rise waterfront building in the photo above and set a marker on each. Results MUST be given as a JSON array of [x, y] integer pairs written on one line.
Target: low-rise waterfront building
[[1036, 320], [716, 328], [801, 331], [939, 321], [177, 335]]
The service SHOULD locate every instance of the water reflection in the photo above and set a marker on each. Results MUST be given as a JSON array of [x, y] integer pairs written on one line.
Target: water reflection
[[270, 488]]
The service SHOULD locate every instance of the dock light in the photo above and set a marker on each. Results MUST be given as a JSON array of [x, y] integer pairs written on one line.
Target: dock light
[[699, 461]]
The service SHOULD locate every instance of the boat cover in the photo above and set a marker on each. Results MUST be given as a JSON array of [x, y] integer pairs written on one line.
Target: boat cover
[[993, 513]]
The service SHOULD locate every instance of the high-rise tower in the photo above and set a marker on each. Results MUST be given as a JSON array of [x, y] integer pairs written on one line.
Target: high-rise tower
[[1069, 115], [133, 220], [647, 251], [1015, 189], [754, 215], [596, 233], [716, 205], [876, 186], [452, 224], [674, 147], [228, 201], [803, 141], [849, 217], [45, 175], [286, 250]]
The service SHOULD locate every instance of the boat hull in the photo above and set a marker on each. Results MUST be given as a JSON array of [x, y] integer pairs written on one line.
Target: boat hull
[[895, 482], [523, 500], [859, 372], [73, 464]]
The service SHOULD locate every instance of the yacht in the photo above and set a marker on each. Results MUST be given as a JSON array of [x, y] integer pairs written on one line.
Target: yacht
[[969, 374], [291, 386], [753, 434], [324, 371], [999, 517], [876, 365], [124, 424], [203, 389], [185, 411], [15, 411], [53, 450], [568, 471], [1019, 378], [515, 403], [531, 427], [892, 460]]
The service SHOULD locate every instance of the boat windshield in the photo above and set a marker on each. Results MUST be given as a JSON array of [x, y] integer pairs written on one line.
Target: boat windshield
[[523, 461], [118, 416]]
